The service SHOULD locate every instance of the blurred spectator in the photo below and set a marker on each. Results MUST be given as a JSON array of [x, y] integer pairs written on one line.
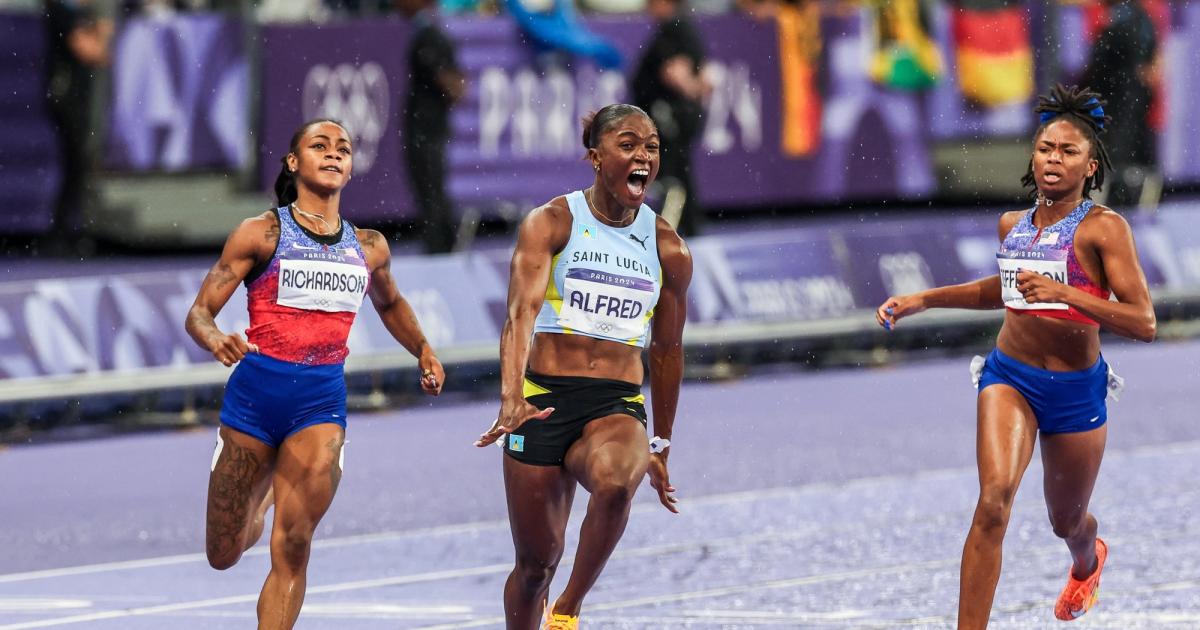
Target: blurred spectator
[[558, 28], [78, 40], [1122, 69], [669, 86], [435, 85]]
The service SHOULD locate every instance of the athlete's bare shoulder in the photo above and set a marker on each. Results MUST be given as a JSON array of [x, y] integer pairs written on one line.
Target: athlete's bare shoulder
[[549, 225], [1104, 222], [672, 249], [370, 239], [256, 235]]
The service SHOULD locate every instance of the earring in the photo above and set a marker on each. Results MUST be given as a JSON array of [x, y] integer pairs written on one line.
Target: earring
[[596, 167]]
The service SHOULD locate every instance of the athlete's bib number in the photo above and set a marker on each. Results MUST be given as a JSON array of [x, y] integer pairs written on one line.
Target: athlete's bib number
[[605, 304], [321, 285], [1054, 269]]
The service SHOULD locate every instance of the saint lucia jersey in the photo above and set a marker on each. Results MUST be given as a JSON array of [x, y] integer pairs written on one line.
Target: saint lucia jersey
[[1049, 251], [303, 300], [605, 282]]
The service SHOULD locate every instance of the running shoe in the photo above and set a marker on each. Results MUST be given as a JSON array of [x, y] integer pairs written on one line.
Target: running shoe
[[1081, 595], [559, 622]]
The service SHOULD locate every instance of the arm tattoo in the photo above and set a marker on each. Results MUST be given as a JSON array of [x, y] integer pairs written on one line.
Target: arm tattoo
[[221, 275]]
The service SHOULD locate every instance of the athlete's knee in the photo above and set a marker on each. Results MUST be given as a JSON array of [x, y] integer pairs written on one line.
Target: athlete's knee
[[614, 492], [994, 508], [1068, 523], [222, 555], [292, 547], [536, 571]]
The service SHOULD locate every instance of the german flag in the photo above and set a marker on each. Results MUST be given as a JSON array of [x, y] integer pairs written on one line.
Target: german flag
[[995, 56]]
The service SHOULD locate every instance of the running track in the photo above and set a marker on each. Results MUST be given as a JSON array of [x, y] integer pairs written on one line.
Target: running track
[[836, 499]]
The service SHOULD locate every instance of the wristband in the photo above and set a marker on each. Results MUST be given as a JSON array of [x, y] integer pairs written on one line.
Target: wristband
[[658, 445]]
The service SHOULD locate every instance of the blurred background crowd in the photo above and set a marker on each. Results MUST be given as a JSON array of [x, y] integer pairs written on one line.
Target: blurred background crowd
[[806, 143]]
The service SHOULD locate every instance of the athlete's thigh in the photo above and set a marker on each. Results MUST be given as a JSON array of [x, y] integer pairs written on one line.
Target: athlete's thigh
[[1071, 462], [539, 504], [240, 477], [612, 449], [307, 474], [1005, 435]]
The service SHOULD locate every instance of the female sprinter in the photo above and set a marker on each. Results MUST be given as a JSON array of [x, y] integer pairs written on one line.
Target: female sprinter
[[283, 420], [593, 272], [1059, 263]]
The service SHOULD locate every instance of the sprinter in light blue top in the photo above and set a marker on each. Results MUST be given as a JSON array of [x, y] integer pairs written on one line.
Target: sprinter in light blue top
[[606, 281], [597, 280]]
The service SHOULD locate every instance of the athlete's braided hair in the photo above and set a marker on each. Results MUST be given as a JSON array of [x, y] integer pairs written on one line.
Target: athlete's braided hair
[[1083, 108], [285, 182]]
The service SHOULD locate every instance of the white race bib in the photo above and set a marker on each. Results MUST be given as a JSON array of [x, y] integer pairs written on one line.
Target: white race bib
[[316, 284], [605, 304], [1009, 265]]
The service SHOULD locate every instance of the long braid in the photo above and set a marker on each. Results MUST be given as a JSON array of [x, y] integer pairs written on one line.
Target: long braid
[[1084, 109]]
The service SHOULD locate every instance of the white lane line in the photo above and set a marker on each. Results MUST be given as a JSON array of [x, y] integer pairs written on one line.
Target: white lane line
[[478, 526], [40, 604], [416, 578]]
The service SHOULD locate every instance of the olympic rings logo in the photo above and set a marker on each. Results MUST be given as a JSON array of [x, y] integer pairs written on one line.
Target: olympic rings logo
[[604, 327], [357, 96]]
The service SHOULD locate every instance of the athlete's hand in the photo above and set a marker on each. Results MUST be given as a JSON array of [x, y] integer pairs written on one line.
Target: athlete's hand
[[229, 349], [512, 415], [1038, 288], [433, 376], [661, 482], [896, 307]]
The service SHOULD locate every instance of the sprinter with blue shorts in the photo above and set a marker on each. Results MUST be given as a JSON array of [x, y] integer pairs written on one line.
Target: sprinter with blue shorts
[[1060, 262], [283, 420]]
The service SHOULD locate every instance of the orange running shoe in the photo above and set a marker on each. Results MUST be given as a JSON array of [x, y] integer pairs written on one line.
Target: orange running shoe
[[559, 622], [1080, 595]]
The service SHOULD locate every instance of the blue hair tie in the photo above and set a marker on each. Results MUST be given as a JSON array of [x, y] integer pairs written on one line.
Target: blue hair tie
[[1096, 113]]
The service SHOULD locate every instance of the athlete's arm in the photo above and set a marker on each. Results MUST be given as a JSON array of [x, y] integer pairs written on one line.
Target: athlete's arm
[[543, 233], [982, 294], [396, 313], [666, 350], [250, 242], [1133, 314]]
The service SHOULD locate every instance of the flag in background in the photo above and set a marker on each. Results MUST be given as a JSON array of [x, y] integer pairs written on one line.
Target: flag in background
[[799, 58], [994, 54], [905, 56]]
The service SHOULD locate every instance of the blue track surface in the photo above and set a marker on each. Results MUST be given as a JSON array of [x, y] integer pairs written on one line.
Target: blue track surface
[[837, 499]]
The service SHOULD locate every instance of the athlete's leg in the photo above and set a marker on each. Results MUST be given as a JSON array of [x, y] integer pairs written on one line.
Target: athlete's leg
[[539, 503], [1006, 433], [1072, 462], [237, 489], [306, 477], [610, 462]]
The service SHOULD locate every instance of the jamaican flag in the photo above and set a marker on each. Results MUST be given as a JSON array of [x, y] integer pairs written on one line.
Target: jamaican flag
[[905, 55], [995, 56]]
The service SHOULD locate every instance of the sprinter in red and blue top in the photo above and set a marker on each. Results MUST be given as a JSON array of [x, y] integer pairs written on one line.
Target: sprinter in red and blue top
[[1046, 380], [283, 420]]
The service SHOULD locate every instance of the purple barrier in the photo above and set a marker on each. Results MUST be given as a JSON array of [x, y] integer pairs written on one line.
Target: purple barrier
[[179, 95], [29, 170], [804, 272], [516, 133]]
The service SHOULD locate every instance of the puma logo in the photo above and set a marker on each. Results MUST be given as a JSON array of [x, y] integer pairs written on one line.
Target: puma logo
[[640, 241]]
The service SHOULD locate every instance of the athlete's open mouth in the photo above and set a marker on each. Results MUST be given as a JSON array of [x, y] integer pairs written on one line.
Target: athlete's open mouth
[[1051, 176], [637, 181], [332, 168]]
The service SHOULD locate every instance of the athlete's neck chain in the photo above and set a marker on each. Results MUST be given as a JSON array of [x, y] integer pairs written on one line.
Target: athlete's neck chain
[[328, 229], [625, 220]]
